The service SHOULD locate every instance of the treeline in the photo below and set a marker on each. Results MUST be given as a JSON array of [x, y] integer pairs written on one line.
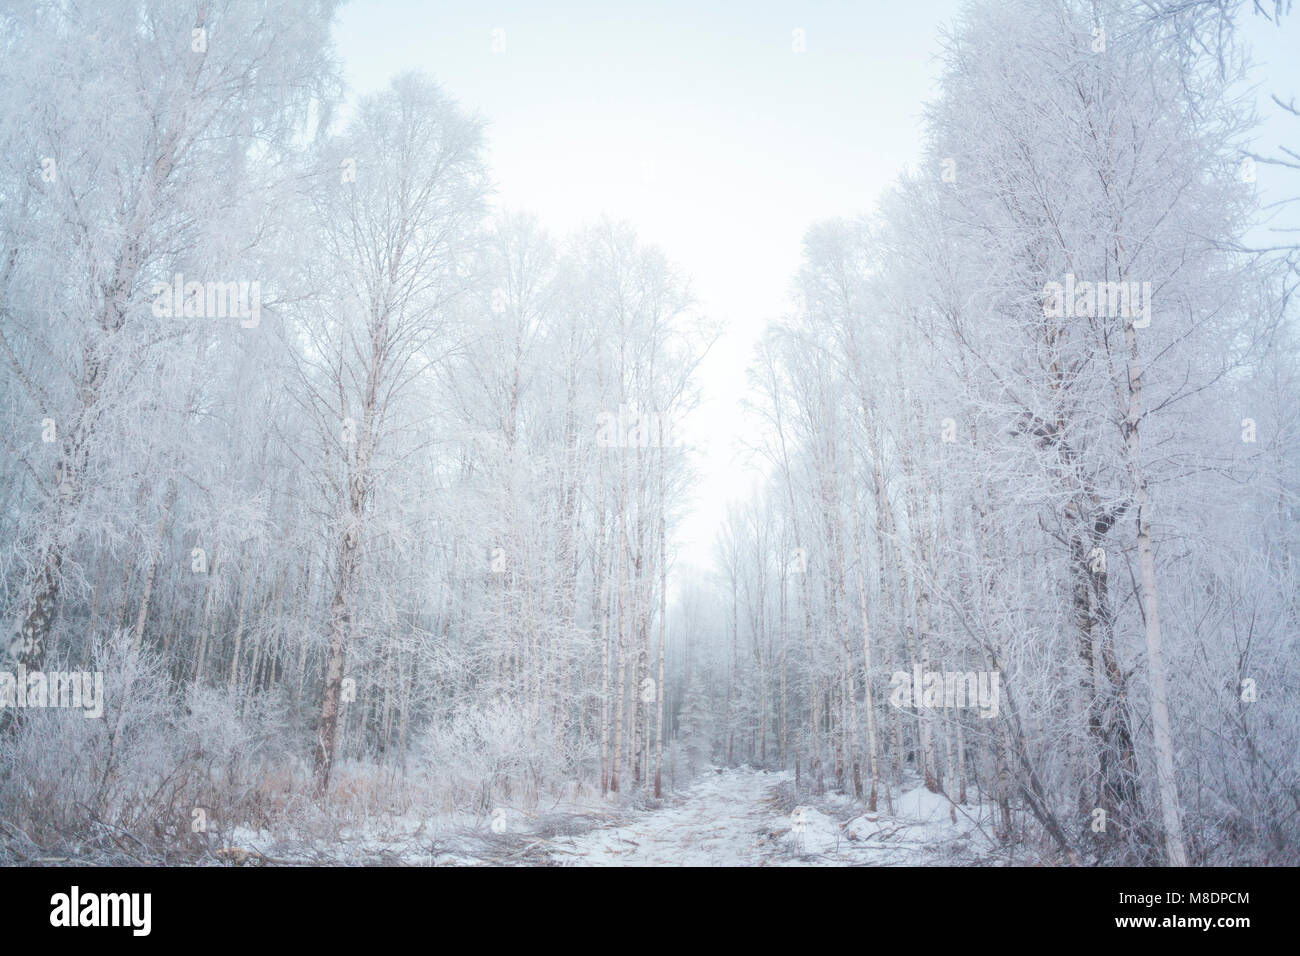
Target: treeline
[[1034, 423], [311, 453]]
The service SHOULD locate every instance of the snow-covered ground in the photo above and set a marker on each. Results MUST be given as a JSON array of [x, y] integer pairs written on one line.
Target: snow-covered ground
[[736, 817], [740, 818], [721, 821]]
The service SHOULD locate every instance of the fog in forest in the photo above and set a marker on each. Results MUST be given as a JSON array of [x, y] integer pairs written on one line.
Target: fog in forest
[[495, 434]]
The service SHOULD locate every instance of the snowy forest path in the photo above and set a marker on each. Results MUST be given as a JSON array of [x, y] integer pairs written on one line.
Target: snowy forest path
[[726, 817], [745, 817], [719, 822]]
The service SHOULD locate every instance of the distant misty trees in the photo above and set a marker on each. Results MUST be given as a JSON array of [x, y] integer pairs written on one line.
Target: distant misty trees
[[389, 515], [1036, 416], [360, 493]]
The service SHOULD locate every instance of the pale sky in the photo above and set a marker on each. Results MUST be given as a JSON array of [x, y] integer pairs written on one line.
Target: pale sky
[[704, 129]]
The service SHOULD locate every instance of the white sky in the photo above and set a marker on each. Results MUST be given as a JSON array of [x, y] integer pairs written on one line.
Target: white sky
[[705, 130]]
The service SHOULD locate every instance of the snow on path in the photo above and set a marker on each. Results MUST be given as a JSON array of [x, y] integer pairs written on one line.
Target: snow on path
[[733, 819], [737, 817], [718, 824]]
